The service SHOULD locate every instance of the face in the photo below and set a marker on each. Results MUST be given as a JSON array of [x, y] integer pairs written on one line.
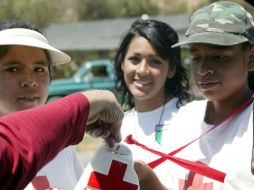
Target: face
[[220, 72], [24, 79], [145, 72]]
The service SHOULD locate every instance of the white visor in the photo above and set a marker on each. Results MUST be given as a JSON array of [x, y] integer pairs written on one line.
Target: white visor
[[27, 37]]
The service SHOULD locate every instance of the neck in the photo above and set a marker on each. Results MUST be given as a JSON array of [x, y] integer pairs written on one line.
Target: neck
[[217, 110], [145, 106]]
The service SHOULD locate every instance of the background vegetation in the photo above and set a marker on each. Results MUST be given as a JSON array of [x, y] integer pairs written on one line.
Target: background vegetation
[[45, 12]]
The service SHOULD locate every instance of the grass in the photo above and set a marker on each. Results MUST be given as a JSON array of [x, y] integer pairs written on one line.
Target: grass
[[88, 144]]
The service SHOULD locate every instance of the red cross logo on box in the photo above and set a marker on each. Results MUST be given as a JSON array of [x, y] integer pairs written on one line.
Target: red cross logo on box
[[194, 182], [112, 181]]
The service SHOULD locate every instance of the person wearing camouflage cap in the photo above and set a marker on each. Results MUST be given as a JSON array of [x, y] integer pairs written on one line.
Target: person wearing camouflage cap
[[223, 23], [217, 131]]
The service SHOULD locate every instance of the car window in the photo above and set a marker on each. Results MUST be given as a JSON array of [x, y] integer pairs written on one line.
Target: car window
[[99, 71]]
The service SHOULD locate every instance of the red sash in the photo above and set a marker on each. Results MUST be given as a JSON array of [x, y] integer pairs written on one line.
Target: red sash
[[192, 166]]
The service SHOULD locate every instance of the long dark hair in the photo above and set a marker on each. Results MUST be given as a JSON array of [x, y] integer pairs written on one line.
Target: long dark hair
[[162, 37]]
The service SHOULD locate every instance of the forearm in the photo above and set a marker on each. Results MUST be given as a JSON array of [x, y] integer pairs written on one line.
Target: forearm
[[152, 182], [148, 180], [29, 139]]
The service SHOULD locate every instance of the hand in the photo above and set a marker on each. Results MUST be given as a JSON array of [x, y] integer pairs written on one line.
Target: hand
[[105, 116], [147, 178]]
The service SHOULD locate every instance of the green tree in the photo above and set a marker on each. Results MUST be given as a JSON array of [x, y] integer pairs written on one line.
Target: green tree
[[137, 8], [100, 9], [6, 9], [40, 12]]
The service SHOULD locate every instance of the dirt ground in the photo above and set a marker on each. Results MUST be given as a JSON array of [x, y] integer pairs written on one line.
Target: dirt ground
[[88, 144], [86, 148]]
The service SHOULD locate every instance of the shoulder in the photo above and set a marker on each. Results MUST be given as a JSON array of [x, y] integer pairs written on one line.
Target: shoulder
[[195, 104], [191, 113], [128, 122], [172, 104], [129, 114]]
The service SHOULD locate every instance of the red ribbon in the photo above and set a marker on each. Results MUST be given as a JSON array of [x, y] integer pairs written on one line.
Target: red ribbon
[[193, 166], [234, 112]]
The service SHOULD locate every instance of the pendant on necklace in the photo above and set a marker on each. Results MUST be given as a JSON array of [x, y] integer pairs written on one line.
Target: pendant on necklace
[[158, 133]]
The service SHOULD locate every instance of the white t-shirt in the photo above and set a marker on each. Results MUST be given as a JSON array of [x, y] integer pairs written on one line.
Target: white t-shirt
[[63, 172], [227, 148], [142, 127]]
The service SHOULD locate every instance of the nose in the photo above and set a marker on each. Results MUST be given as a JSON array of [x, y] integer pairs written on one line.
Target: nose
[[205, 68], [28, 81], [142, 67]]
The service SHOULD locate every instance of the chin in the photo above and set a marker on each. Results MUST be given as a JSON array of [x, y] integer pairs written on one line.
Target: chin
[[28, 106], [140, 96]]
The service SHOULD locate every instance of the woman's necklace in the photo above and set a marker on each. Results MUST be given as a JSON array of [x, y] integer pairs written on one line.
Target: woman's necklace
[[157, 129]]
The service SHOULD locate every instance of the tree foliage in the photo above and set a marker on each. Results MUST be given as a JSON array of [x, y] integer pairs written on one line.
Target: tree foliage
[[40, 12], [44, 12]]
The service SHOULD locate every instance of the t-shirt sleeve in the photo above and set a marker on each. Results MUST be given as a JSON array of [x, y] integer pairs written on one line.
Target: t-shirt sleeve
[[31, 138]]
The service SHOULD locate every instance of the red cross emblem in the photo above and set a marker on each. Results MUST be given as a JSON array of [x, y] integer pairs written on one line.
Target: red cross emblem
[[112, 181], [41, 183], [194, 182]]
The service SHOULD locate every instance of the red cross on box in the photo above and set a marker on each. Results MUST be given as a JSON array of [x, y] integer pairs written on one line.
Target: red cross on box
[[112, 181], [194, 181], [40, 182]]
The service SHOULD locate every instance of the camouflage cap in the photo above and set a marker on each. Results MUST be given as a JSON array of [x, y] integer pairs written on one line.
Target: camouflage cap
[[222, 23]]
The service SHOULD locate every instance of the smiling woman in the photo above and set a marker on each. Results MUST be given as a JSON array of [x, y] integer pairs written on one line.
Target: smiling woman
[[153, 84]]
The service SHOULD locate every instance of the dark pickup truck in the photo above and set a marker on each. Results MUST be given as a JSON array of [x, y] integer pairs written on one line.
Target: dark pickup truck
[[95, 74]]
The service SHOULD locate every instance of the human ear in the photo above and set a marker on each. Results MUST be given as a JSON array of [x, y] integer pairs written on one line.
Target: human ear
[[251, 60], [171, 71], [122, 67]]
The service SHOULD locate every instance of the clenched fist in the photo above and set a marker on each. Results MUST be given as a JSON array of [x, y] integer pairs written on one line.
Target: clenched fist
[[105, 116]]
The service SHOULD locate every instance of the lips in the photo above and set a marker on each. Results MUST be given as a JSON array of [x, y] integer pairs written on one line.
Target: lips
[[140, 83], [208, 84], [28, 98]]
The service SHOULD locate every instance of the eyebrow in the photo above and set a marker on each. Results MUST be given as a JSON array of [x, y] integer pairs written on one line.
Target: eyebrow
[[17, 62], [42, 62]]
